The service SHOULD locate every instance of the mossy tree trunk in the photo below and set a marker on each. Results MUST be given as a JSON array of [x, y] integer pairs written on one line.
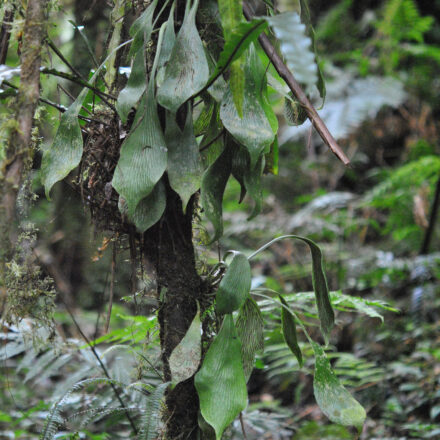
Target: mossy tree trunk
[[169, 246]]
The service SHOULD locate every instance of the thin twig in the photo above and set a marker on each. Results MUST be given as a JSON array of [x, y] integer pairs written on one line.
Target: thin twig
[[103, 367], [296, 89], [112, 287], [63, 58], [81, 82], [205, 147]]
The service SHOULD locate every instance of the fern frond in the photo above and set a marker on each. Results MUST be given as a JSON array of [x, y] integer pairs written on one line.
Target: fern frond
[[149, 426]]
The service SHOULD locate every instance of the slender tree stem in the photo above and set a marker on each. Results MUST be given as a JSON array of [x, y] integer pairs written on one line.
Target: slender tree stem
[[296, 89]]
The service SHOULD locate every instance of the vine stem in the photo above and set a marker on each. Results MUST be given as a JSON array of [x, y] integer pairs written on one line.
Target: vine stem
[[296, 89]]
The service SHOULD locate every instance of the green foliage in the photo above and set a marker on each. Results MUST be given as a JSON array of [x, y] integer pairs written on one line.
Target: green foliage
[[221, 379]]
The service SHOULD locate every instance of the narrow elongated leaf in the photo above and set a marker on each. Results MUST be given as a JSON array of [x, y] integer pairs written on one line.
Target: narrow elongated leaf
[[187, 71], [143, 156], [296, 46], [220, 383], [184, 165], [185, 358], [333, 399], [130, 94], [249, 178], [250, 331], [235, 285], [167, 46], [253, 130], [319, 280], [150, 209], [141, 28], [289, 331], [213, 187], [231, 15], [239, 40]]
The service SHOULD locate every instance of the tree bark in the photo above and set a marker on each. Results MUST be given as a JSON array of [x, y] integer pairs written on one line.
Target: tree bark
[[18, 150], [169, 246]]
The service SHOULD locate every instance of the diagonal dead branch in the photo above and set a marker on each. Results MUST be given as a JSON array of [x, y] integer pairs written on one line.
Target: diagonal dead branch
[[296, 89]]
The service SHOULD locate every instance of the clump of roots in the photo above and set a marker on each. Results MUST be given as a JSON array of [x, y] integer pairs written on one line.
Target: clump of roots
[[101, 154]]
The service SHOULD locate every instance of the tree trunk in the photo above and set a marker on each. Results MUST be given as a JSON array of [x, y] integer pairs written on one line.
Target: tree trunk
[[169, 246]]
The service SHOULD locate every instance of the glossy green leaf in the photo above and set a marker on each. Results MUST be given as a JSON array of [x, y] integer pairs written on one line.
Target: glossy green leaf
[[213, 187], [143, 157], [141, 28], [131, 93], [220, 383], [239, 40], [333, 399], [253, 130], [250, 331], [150, 209], [235, 285], [319, 280], [201, 124], [185, 358], [296, 47], [184, 165], [289, 331], [187, 71]]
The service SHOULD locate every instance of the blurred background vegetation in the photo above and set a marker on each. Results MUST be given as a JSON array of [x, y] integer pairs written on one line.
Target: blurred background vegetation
[[374, 222]]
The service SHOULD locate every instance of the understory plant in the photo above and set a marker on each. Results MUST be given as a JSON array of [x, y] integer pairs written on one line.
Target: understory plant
[[152, 155]]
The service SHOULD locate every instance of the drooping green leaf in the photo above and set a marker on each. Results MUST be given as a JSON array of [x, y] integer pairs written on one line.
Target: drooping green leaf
[[143, 156], [235, 285], [169, 40], [319, 280], [142, 28], [184, 165], [213, 187], [185, 358], [141, 31], [250, 331], [231, 14], [187, 71], [65, 153], [253, 130], [271, 165], [239, 40], [131, 93], [66, 150], [150, 209], [249, 178], [296, 46], [333, 399], [289, 331], [220, 383]]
